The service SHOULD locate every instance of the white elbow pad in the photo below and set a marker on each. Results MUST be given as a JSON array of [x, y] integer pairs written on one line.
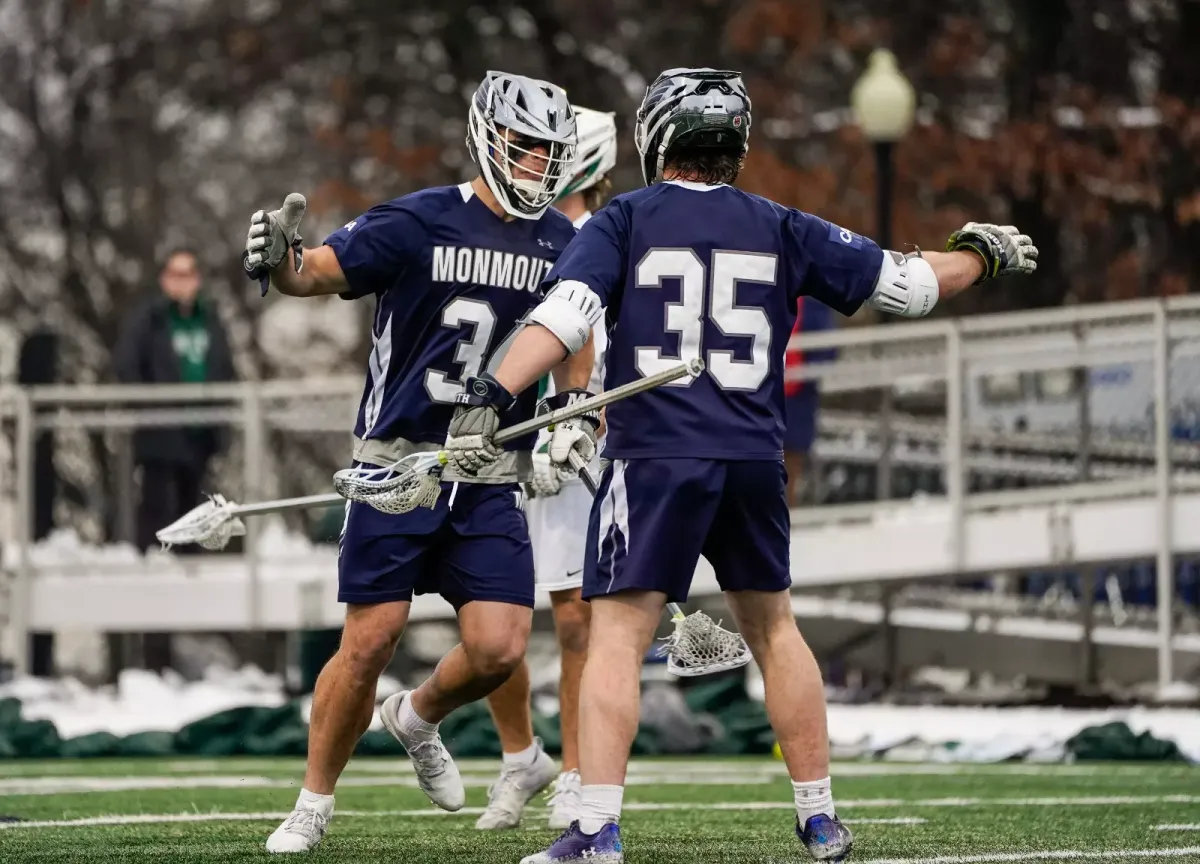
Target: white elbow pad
[[569, 311], [906, 286]]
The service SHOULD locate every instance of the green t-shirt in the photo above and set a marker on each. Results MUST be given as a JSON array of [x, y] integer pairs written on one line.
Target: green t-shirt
[[189, 338]]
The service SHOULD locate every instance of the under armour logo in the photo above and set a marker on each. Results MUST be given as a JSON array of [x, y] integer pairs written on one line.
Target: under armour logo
[[589, 852], [546, 243], [349, 226]]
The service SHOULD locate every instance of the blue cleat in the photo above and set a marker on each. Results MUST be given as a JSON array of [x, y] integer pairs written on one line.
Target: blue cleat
[[825, 839], [603, 847]]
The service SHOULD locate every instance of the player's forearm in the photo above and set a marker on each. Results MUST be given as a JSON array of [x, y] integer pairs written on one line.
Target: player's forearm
[[532, 354], [911, 285], [321, 274], [575, 372], [955, 271]]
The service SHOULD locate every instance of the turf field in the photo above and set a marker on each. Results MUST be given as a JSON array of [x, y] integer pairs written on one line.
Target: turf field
[[687, 810]]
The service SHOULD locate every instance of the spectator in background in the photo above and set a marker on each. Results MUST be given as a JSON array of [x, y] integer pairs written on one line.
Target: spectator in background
[[802, 396], [174, 337]]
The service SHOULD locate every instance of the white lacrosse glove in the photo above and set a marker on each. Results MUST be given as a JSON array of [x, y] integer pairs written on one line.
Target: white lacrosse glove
[[270, 237], [547, 480], [469, 445], [1005, 251], [575, 435]]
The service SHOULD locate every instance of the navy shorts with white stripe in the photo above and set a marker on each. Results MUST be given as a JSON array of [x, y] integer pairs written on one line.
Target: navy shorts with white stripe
[[654, 518]]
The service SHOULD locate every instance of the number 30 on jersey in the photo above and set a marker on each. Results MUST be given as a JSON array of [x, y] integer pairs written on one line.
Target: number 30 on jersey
[[686, 318]]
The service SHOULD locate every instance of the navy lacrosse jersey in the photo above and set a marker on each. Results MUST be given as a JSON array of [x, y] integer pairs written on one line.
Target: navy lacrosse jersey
[[686, 270], [452, 281]]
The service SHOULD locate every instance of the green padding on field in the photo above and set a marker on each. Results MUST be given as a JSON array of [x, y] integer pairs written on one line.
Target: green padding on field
[[35, 739], [148, 744], [469, 733], [1114, 741], [92, 746]]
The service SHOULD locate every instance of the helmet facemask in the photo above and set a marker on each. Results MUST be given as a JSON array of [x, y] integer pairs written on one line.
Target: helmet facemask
[[524, 170]]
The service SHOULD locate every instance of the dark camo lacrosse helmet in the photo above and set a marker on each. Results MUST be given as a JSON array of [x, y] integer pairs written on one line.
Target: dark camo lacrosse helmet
[[693, 109], [535, 113]]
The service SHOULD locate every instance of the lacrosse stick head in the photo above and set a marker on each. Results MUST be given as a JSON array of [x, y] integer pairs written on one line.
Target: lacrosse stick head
[[211, 525], [701, 646], [403, 486]]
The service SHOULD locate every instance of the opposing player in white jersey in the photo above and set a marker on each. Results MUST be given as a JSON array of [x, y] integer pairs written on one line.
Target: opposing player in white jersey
[[558, 519], [692, 267], [453, 271]]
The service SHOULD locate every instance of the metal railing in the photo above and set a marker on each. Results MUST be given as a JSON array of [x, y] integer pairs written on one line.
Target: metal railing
[[943, 414]]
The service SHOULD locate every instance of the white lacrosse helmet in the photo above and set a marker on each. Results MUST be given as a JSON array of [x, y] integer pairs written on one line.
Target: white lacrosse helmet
[[536, 114], [596, 153]]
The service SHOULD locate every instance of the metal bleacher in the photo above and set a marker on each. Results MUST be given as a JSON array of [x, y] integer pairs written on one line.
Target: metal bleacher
[[971, 482]]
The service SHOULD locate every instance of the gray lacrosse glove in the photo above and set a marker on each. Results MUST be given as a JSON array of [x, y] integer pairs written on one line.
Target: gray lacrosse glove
[[469, 445], [269, 238], [577, 434], [546, 481], [1004, 250]]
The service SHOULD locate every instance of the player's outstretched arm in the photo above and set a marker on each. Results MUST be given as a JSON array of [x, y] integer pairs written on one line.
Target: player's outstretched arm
[[910, 285], [274, 252]]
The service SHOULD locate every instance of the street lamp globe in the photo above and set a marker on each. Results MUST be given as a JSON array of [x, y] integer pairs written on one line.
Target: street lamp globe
[[883, 100]]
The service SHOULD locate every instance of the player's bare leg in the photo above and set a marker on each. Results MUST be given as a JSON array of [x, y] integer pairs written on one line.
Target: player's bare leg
[[795, 696], [572, 623], [343, 702], [527, 769], [509, 705], [622, 628], [494, 639]]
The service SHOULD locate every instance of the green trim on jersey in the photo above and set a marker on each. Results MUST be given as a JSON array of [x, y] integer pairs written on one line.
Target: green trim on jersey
[[543, 386]]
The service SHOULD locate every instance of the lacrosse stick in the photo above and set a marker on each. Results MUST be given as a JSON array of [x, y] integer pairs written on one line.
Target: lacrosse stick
[[215, 522], [415, 480], [698, 646]]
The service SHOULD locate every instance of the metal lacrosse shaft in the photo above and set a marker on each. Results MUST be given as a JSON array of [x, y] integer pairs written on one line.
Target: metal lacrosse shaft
[[283, 505], [595, 403], [585, 474]]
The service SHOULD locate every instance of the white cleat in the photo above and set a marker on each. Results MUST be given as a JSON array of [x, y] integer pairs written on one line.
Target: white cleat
[[437, 774], [300, 832], [517, 786], [566, 800]]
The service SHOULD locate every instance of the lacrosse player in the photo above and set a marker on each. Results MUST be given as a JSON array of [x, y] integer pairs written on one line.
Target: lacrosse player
[[558, 518], [453, 270], [692, 267]]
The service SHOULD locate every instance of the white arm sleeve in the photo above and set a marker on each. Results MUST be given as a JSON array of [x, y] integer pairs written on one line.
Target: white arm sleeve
[[906, 286], [569, 311]]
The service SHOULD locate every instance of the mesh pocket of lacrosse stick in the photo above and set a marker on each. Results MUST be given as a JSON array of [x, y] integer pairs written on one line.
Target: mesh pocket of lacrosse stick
[[211, 525], [403, 486], [700, 646]]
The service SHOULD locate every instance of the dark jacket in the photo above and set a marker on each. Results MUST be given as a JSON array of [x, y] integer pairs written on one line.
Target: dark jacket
[[144, 354]]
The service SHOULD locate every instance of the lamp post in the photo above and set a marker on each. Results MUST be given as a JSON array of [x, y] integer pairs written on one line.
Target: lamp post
[[884, 106]]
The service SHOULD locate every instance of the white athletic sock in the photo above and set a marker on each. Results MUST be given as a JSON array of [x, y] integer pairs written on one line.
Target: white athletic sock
[[813, 797], [599, 804], [521, 757], [315, 801], [411, 723]]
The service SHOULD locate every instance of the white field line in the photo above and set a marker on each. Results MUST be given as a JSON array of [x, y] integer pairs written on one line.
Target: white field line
[[1051, 855], [166, 818], [1195, 826], [67, 785], [87, 785]]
